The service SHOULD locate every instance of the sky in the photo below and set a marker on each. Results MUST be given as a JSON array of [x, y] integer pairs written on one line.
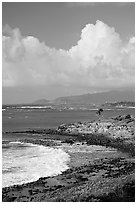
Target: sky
[[53, 49]]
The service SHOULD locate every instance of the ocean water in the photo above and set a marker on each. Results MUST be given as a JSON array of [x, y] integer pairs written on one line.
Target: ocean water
[[26, 162], [25, 118]]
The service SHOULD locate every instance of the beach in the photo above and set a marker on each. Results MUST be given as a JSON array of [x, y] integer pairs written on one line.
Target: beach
[[68, 102], [101, 163]]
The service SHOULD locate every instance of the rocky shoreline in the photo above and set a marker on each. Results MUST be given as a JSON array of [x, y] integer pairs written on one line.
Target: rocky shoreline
[[107, 178]]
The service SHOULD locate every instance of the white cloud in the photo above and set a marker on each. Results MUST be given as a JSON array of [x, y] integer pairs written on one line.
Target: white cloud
[[100, 58]]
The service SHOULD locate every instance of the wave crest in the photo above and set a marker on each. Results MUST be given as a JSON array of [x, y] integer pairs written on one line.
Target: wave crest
[[32, 163]]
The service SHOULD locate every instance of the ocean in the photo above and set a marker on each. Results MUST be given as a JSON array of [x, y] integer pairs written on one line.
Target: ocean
[[26, 162]]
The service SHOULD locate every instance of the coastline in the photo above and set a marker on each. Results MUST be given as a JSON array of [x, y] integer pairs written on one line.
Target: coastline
[[108, 177]]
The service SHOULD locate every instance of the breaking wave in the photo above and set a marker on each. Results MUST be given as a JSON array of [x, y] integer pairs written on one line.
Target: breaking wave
[[35, 107], [25, 162]]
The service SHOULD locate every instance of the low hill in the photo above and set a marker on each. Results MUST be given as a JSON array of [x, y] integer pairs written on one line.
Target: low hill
[[97, 98], [41, 102]]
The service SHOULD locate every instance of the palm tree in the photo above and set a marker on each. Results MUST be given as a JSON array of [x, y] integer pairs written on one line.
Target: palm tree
[[99, 111]]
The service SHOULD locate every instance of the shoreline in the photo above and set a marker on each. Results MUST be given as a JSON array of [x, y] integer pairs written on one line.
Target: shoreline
[[109, 169]]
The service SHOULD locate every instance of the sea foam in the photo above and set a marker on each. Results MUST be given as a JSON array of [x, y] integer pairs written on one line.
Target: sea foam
[[23, 163]]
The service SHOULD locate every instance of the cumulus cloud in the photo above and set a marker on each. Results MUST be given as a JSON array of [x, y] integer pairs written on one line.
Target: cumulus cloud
[[100, 58]]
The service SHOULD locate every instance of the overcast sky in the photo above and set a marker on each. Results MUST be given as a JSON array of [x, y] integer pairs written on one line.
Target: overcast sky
[[58, 49]]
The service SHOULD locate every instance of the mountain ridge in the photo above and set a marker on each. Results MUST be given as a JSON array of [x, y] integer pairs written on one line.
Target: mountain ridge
[[93, 98]]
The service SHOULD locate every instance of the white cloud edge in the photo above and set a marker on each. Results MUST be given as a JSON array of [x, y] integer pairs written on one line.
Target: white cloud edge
[[81, 59]]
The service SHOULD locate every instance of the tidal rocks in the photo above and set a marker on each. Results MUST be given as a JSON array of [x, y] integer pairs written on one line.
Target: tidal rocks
[[97, 181]]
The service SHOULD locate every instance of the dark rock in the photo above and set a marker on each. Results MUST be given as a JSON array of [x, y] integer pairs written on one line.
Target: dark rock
[[128, 116]]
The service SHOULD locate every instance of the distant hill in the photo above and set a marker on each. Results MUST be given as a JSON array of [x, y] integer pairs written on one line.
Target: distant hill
[[94, 98], [41, 102], [97, 98]]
